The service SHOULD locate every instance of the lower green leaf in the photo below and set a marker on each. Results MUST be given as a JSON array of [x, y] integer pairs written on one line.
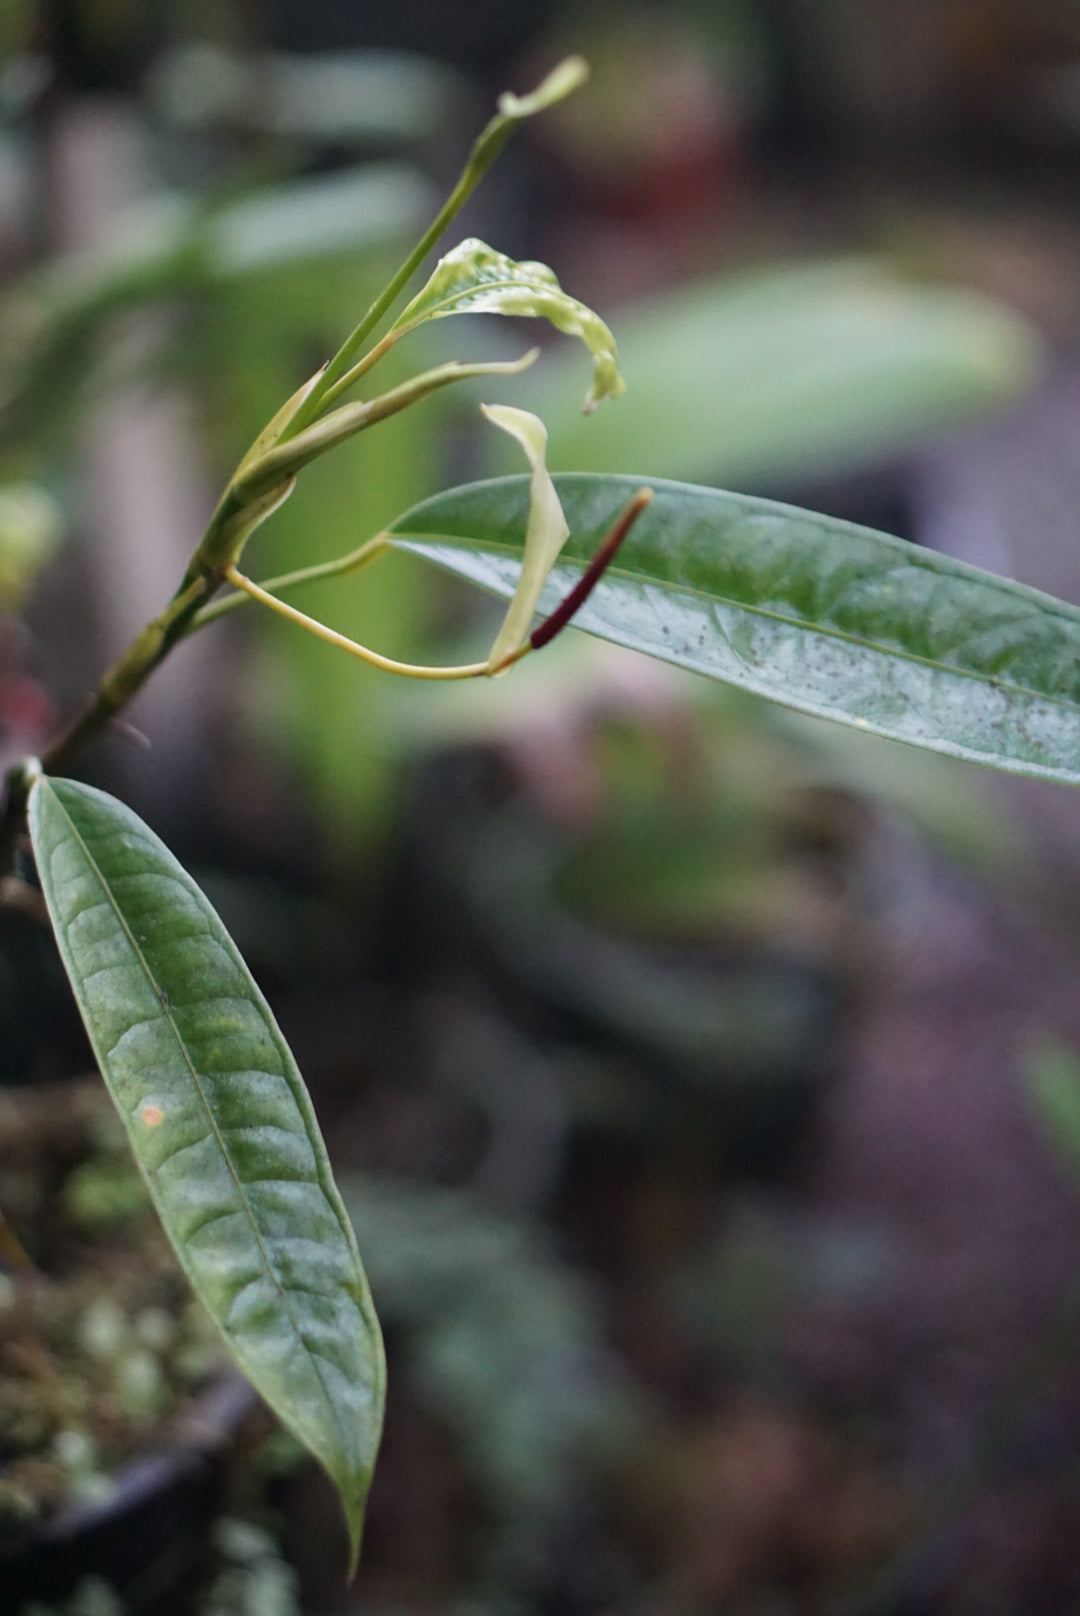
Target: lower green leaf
[[220, 1123], [821, 615]]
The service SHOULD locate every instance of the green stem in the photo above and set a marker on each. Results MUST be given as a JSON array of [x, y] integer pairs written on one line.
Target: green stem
[[271, 470], [361, 368], [120, 684], [130, 673], [512, 110], [266, 476], [341, 363]]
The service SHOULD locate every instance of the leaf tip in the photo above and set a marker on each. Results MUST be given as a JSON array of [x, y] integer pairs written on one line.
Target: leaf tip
[[354, 1522], [569, 75], [28, 773], [607, 379]]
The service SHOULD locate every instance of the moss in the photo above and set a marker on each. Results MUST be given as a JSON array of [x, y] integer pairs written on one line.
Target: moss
[[102, 1346]]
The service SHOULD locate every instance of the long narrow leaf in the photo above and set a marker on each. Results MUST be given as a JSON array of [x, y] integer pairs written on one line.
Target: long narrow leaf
[[821, 615], [220, 1123]]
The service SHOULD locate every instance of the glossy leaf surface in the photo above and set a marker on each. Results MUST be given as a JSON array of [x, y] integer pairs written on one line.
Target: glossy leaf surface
[[255, 334], [821, 615], [220, 1123]]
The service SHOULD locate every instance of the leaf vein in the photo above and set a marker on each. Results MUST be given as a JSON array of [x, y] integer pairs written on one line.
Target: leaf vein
[[110, 901], [800, 624]]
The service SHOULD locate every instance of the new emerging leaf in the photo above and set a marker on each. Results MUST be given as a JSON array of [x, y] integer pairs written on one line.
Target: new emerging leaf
[[545, 533], [346, 365], [475, 279]]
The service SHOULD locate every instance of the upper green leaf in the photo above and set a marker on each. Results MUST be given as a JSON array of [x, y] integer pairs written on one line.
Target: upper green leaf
[[821, 615], [475, 279], [220, 1123]]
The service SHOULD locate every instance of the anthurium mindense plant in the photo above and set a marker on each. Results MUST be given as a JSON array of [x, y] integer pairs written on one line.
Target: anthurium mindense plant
[[824, 616]]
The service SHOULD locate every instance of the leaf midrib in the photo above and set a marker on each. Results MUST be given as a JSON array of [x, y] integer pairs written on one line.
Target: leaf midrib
[[445, 305], [508, 552], [170, 1021]]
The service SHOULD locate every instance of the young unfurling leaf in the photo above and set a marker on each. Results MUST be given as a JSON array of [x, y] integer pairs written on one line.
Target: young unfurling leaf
[[285, 460], [345, 367], [475, 279], [545, 534]]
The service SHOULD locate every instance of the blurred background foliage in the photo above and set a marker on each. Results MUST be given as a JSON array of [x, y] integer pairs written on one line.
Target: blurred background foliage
[[699, 1067]]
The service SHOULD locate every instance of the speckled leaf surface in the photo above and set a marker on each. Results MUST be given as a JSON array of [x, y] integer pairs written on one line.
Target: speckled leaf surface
[[220, 1123], [475, 279], [821, 615]]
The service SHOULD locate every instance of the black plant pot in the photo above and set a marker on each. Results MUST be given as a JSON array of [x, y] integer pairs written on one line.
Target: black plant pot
[[150, 1538]]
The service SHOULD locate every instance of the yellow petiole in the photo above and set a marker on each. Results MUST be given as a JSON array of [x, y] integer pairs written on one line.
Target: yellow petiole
[[408, 670]]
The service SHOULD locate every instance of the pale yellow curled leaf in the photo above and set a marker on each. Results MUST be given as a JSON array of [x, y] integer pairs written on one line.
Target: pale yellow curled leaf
[[475, 279], [545, 534], [563, 80], [235, 520], [346, 367], [286, 459], [274, 427]]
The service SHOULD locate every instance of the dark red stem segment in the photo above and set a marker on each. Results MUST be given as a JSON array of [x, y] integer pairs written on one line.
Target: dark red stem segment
[[589, 579]]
